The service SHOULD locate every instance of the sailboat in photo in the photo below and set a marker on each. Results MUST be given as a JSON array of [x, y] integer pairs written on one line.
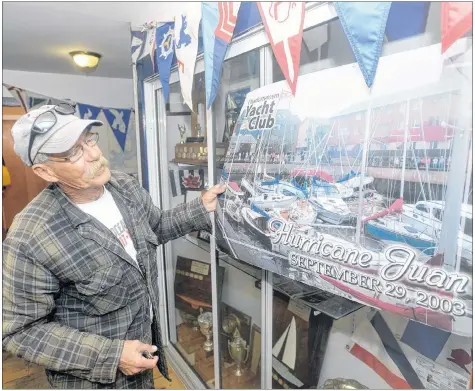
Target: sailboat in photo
[[284, 354], [426, 216]]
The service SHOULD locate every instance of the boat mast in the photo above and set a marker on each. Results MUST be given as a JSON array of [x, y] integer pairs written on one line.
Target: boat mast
[[458, 167], [363, 170], [404, 153], [425, 151], [465, 201]]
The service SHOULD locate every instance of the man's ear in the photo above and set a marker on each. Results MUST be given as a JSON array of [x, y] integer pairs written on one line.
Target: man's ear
[[44, 172]]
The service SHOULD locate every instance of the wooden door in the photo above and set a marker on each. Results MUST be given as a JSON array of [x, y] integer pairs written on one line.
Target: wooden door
[[25, 184]]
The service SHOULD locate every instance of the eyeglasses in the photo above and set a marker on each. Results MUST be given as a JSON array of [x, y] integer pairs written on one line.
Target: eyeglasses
[[77, 152], [46, 121]]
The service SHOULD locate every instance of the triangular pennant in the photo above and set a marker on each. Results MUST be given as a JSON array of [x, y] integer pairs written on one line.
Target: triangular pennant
[[164, 54], [283, 22], [406, 19], [20, 95], [456, 21], [148, 45], [364, 24], [88, 111], [136, 44], [118, 120], [218, 22], [187, 25]]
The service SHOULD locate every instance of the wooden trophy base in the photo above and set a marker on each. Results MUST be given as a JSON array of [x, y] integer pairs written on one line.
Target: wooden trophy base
[[204, 364], [246, 381], [191, 340]]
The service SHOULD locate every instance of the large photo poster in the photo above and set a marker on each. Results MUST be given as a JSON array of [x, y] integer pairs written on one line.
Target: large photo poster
[[365, 194]]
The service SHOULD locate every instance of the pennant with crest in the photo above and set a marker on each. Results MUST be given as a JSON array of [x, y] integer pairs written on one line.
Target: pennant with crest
[[283, 21], [165, 44], [187, 25]]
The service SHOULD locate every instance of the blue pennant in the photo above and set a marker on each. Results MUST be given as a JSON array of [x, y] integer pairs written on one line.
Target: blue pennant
[[118, 120], [364, 24], [218, 27], [406, 19], [164, 54], [136, 44], [88, 111]]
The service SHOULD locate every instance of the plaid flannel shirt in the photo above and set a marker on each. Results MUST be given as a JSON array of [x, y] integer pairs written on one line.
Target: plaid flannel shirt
[[72, 294]]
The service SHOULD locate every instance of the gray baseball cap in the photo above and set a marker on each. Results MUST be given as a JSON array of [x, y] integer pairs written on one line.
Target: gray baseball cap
[[60, 138]]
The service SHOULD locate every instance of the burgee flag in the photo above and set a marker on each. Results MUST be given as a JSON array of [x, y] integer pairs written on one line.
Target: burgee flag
[[88, 111], [456, 20], [149, 46], [283, 21], [136, 44], [187, 24], [118, 120], [411, 355], [165, 44], [364, 24], [219, 21]]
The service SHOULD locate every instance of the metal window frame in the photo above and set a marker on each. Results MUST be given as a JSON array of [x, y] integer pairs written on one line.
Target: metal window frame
[[155, 128]]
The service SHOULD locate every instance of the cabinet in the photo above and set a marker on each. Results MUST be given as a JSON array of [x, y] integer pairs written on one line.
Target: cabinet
[[229, 324]]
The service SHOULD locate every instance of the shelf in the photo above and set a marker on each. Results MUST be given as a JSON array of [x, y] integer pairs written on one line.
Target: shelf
[[332, 305], [196, 163], [250, 270]]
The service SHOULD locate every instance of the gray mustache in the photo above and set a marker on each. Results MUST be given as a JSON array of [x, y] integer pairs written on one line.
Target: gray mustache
[[96, 167]]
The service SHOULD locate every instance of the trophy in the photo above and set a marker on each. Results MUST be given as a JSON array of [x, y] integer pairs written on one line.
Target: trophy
[[230, 323], [238, 351], [343, 384], [205, 321], [182, 130], [190, 320], [198, 130]]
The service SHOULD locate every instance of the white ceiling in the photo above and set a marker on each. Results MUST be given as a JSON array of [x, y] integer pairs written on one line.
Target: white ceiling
[[37, 36]]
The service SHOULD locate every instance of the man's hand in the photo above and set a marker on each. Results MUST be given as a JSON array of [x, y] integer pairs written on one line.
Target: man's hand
[[131, 360], [209, 198]]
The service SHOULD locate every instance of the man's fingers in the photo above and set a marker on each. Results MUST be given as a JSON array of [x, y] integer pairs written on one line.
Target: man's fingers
[[149, 348], [217, 189], [147, 363]]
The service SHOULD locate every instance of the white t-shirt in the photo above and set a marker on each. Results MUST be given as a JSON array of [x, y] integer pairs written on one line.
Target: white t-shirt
[[106, 211]]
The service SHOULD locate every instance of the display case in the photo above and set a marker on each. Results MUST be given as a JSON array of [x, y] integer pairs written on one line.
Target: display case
[[232, 314]]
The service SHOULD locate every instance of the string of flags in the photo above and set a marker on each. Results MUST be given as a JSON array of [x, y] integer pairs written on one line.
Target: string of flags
[[365, 25], [118, 119]]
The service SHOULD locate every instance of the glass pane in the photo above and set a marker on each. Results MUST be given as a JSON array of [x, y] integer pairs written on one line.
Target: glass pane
[[188, 258], [240, 305], [409, 138]]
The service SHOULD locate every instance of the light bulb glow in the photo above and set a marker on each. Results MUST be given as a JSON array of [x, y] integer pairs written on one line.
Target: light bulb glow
[[86, 60]]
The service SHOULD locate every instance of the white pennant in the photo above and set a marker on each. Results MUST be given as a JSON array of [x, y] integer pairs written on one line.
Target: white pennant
[[187, 25], [148, 44]]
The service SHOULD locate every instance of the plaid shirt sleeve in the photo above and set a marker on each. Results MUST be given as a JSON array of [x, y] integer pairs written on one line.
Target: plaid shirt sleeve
[[28, 302], [174, 223]]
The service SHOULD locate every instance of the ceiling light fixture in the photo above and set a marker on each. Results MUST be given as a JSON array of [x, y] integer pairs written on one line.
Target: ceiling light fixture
[[86, 61]]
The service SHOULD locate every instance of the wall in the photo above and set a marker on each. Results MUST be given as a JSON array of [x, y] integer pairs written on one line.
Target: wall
[[96, 91]]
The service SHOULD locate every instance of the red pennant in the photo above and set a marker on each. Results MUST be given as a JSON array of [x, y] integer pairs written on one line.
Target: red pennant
[[283, 21], [456, 21]]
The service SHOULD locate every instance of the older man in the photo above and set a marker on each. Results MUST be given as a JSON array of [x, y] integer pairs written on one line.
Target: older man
[[80, 293]]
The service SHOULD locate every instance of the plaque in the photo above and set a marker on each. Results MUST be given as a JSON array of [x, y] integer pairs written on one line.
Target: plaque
[[255, 346]]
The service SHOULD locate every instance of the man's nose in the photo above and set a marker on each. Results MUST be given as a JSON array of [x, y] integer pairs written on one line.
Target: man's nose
[[92, 153]]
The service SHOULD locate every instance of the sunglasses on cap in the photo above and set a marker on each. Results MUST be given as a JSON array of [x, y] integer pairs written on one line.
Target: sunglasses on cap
[[46, 121]]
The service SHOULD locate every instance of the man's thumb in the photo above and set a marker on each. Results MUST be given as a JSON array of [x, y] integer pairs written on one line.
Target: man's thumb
[[149, 348]]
